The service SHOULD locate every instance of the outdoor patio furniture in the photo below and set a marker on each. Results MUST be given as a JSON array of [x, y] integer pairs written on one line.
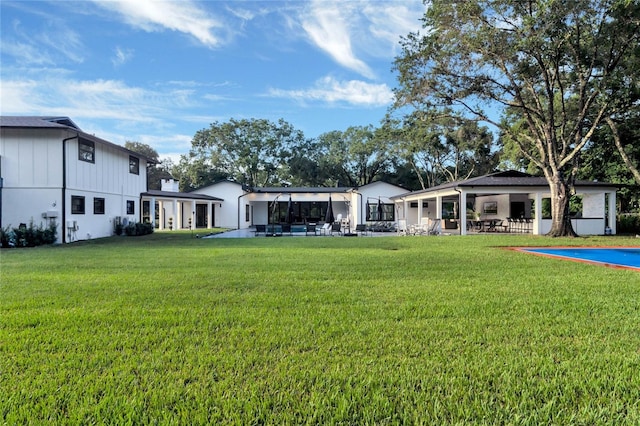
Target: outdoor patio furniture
[[260, 229], [361, 229], [336, 227], [311, 228]]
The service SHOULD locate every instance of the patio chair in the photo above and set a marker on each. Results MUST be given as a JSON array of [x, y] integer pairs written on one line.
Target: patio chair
[[402, 227], [336, 227], [326, 228], [361, 229], [261, 229], [434, 228], [311, 227]]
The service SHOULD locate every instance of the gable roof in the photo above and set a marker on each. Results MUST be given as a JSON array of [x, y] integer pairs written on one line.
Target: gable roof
[[509, 178], [62, 123], [300, 189]]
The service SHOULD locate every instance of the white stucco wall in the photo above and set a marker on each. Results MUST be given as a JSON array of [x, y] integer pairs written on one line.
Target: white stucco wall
[[226, 211]]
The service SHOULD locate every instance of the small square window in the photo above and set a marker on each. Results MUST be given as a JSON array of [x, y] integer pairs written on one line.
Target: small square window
[[77, 204], [134, 165], [131, 207], [98, 206], [86, 151]]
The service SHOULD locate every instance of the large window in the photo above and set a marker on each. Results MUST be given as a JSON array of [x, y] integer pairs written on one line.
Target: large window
[[380, 212], [86, 151], [98, 206], [134, 165], [77, 204], [131, 207]]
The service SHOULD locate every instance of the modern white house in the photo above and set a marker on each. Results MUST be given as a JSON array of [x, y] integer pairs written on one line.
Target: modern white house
[[512, 200], [231, 205], [53, 172]]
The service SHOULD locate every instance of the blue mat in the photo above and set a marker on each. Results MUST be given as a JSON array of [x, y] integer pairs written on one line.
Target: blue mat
[[624, 257]]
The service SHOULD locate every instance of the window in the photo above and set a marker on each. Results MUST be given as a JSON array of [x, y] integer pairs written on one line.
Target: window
[[247, 211], [131, 207], [77, 204], [134, 165], [86, 151], [98, 206], [380, 212]]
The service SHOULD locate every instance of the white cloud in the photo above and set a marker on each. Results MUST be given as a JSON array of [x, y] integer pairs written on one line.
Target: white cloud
[[121, 56], [329, 29], [182, 16], [330, 90]]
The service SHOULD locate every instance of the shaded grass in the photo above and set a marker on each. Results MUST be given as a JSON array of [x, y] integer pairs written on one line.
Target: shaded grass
[[171, 329]]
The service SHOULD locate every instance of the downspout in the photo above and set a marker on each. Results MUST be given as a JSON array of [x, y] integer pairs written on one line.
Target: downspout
[[64, 187]]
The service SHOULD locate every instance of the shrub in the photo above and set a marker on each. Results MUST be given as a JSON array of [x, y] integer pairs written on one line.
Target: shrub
[[628, 224], [137, 229], [28, 236]]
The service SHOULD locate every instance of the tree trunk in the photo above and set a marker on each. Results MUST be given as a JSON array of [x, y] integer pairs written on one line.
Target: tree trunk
[[560, 220]]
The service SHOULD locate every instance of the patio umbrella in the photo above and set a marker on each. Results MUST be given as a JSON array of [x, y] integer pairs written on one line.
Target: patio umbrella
[[328, 218], [379, 209], [290, 213]]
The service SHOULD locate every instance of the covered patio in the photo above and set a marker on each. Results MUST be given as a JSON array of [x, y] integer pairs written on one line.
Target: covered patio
[[507, 201]]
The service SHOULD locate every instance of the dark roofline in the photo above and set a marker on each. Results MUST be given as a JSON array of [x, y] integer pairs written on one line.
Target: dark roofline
[[299, 190], [187, 195]]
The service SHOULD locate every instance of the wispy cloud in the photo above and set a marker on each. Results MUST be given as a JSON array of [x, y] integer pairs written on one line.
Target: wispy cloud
[[182, 16], [328, 28], [121, 56], [330, 90]]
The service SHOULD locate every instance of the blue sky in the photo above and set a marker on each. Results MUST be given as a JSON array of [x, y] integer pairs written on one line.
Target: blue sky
[[158, 71]]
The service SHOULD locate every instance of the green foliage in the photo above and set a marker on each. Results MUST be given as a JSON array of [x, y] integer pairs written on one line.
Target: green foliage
[[137, 229], [28, 236], [169, 329], [628, 224]]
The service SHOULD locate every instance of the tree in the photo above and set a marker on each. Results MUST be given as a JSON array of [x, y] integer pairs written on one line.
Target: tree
[[355, 157], [156, 170], [553, 65], [442, 147], [254, 152]]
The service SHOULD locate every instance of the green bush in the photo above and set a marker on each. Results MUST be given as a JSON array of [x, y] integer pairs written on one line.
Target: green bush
[[628, 224], [28, 236], [137, 229]]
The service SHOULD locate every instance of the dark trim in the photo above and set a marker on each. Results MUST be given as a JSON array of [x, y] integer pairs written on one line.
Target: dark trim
[[63, 222]]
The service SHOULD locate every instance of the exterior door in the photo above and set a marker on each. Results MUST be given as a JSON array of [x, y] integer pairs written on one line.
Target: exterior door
[[201, 215]]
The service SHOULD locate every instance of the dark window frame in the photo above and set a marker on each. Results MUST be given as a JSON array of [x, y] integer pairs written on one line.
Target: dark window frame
[[86, 151], [131, 207], [388, 212], [134, 165], [77, 204], [98, 205]]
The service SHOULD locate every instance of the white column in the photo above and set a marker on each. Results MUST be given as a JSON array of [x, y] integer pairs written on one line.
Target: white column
[[463, 212], [210, 210], [152, 211], [612, 212], [176, 214], [161, 219], [537, 211], [419, 211]]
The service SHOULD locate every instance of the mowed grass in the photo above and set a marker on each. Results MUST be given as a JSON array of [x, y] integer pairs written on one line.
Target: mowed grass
[[169, 329]]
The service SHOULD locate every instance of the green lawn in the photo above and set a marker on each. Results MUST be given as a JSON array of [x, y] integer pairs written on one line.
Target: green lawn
[[169, 329]]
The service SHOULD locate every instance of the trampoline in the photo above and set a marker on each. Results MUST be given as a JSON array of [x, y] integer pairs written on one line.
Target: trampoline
[[616, 257]]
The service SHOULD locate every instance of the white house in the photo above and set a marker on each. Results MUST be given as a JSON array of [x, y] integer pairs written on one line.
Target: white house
[[53, 172], [511, 198], [235, 206]]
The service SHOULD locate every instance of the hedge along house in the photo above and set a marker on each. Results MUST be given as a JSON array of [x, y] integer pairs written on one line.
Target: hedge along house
[[53, 172], [509, 196]]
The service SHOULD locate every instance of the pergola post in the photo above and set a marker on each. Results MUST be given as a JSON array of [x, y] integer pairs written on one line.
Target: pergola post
[[463, 212]]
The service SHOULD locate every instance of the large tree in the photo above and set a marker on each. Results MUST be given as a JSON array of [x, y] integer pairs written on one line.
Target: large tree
[[254, 152], [554, 65]]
